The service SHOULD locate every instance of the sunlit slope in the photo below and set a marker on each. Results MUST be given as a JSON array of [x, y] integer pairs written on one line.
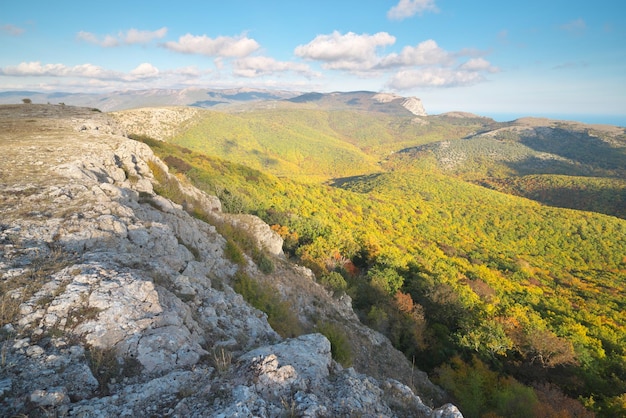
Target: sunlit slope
[[313, 144], [498, 259]]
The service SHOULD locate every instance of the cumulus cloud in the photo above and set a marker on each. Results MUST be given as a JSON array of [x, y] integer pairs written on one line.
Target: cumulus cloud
[[434, 77], [129, 37], [222, 46], [12, 30], [90, 77], [350, 52], [423, 65], [408, 8], [260, 66], [145, 70], [425, 53], [94, 72], [478, 64], [37, 69]]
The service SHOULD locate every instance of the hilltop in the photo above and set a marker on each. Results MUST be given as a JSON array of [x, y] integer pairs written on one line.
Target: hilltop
[[119, 294]]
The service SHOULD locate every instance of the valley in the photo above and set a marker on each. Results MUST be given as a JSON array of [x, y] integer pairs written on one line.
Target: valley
[[492, 254]]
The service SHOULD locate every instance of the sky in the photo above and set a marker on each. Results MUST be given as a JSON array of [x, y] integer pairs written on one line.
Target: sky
[[490, 57]]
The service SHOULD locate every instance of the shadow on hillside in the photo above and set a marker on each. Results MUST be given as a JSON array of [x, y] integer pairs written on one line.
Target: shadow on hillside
[[608, 201], [580, 147], [364, 182], [546, 165]]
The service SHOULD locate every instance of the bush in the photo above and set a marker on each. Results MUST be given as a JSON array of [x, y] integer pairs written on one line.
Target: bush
[[339, 346], [334, 281], [265, 298], [234, 253]]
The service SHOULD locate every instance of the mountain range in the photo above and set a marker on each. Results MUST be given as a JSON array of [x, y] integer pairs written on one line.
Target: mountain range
[[218, 99]]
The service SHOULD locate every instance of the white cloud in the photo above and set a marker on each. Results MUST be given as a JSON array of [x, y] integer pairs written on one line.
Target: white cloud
[[423, 65], [222, 46], [434, 77], [130, 37], [425, 53], [408, 8], [94, 72], [350, 52], [478, 64], [134, 36], [36, 69], [260, 66], [145, 70], [89, 77], [12, 30]]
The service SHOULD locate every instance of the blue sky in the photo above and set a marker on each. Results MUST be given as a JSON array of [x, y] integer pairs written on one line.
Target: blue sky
[[548, 57]]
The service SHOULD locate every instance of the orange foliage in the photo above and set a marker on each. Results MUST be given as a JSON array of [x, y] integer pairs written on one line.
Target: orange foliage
[[404, 302]]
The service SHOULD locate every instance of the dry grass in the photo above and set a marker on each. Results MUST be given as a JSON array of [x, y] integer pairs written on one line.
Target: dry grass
[[222, 359], [22, 287]]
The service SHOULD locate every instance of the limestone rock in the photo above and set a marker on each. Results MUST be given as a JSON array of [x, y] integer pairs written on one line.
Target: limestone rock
[[262, 233], [415, 106]]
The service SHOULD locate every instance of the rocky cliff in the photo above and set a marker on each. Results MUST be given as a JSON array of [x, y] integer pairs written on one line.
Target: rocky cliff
[[115, 301]]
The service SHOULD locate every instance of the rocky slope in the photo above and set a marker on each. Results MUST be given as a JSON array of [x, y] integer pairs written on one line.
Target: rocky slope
[[114, 301]]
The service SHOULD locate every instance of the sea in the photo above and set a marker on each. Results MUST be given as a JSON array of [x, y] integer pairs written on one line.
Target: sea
[[616, 120]]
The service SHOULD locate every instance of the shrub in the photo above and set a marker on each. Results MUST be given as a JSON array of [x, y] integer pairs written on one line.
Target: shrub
[[27, 101], [265, 298], [234, 253], [339, 346], [177, 164], [334, 281]]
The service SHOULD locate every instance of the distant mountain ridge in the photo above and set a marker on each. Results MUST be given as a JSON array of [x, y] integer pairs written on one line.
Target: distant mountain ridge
[[129, 99], [224, 98]]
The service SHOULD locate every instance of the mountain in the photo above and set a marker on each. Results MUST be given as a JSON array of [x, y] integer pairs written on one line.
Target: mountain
[[489, 292], [364, 100], [127, 291], [221, 99], [203, 98]]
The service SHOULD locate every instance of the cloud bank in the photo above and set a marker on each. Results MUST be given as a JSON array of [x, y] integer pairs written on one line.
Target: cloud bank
[[423, 65], [222, 46]]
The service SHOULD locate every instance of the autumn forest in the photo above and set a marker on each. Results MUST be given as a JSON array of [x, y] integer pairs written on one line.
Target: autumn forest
[[493, 255]]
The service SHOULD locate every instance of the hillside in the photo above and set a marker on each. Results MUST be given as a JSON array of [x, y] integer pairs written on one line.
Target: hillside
[[492, 294], [564, 164], [127, 291], [310, 144]]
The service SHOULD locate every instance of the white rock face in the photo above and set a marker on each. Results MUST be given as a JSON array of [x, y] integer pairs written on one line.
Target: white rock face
[[119, 301], [412, 104], [415, 106]]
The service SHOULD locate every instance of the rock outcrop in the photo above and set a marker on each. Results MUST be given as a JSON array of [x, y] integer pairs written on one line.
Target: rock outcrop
[[412, 104], [115, 301]]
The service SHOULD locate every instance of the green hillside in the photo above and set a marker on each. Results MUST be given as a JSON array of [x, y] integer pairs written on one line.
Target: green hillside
[[493, 294], [314, 145], [562, 164]]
